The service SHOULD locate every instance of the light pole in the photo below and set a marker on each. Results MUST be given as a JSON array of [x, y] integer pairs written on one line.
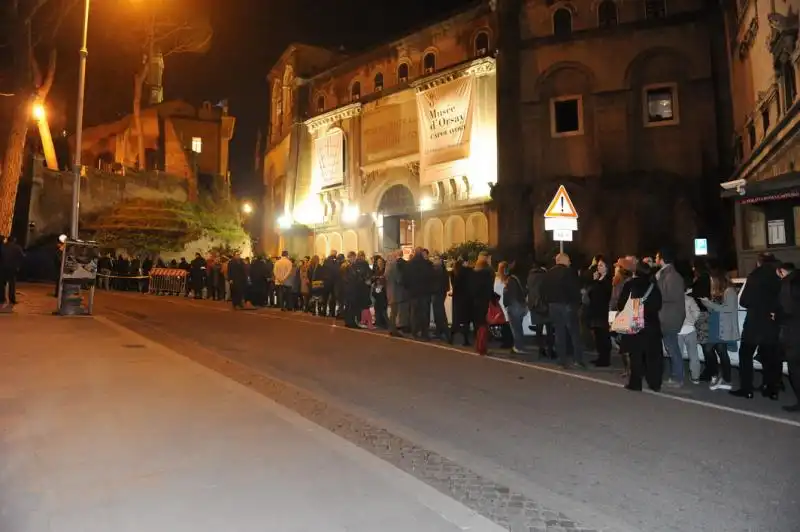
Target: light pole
[[76, 186]]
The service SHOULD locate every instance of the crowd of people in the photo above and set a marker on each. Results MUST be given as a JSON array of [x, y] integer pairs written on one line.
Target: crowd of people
[[680, 311]]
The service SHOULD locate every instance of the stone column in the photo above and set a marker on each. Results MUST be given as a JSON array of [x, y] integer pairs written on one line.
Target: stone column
[[511, 195]]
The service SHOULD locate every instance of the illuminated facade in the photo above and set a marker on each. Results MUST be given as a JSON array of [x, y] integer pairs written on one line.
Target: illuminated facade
[[765, 185], [391, 148]]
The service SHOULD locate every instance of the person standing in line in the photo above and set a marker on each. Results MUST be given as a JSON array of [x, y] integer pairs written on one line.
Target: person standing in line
[[672, 314], [460, 283], [283, 282], [10, 262], [562, 290], [395, 291], [760, 330], [540, 315], [789, 319], [482, 285], [237, 277], [514, 299], [599, 296], [439, 289], [419, 280], [723, 306], [379, 294], [644, 347], [197, 276]]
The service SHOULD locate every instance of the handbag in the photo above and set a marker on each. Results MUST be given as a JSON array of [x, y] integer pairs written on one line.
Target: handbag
[[495, 315], [631, 319]]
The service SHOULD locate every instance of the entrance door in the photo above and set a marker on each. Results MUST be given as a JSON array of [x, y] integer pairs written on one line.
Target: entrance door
[[400, 218]]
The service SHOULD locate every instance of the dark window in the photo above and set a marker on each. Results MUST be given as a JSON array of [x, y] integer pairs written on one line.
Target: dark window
[[567, 116], [562, 22], [402, 72], [429, 63], [751, 135], [654, 9], [378, 82], [660, 105], [355, 91], [765, 119], [789, 86], [607, 14], [320, 103], [482, 44]]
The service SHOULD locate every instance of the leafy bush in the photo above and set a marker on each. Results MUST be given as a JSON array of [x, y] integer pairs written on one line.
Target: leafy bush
[[470, 250]]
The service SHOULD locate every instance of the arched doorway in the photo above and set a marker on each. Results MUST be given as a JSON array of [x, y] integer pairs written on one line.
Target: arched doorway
[[400, 217]]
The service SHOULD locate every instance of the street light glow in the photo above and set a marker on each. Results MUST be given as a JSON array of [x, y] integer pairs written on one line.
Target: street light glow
[[426, 203], [351, 214], [38, 112], [284, 222], [247, 208]]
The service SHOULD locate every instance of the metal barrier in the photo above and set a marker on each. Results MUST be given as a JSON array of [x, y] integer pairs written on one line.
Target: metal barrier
[[167, 281]]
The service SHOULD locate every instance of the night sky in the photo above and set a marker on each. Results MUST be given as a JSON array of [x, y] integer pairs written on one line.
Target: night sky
[[249, 36]]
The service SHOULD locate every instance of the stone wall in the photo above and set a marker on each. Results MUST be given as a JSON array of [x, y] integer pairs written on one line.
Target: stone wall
[[51, 195]]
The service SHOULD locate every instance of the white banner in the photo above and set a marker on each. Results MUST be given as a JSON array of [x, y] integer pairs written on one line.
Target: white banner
[[445, 121], [329, 159]]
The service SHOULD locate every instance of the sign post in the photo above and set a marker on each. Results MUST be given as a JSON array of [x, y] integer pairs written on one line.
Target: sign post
[[561, 218]]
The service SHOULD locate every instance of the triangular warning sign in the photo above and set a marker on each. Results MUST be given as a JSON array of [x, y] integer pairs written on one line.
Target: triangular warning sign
[[561, 206]]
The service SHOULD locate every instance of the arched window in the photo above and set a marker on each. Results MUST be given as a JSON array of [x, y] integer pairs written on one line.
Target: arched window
[[607, 14], [320, 103], [789, 84], [355, 91], [562, 22], [482, 44], [402, 73], [429, 63], [378, 82]]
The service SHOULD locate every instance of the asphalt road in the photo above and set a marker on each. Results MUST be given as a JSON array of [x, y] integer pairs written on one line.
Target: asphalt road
[[573, 443]]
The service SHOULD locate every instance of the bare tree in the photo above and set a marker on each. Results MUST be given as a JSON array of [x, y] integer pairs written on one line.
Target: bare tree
[[31, 25], [167, 34]]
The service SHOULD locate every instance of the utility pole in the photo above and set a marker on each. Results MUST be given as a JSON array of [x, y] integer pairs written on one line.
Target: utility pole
[[76, 186]]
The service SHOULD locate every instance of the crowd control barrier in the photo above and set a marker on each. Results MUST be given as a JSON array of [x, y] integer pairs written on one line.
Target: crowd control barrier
[[167, 282]]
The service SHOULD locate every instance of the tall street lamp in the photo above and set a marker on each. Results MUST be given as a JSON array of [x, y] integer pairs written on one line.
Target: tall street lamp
[[76, 187]]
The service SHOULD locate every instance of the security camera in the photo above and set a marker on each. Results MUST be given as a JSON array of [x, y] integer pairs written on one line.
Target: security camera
[[734, 185]]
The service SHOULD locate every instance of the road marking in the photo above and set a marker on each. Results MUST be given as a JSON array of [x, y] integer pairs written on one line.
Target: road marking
[[331, 324]]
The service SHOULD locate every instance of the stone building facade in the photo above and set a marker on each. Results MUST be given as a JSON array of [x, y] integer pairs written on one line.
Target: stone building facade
[[619, 102], [394, 147], [765, 185], [623, 102]]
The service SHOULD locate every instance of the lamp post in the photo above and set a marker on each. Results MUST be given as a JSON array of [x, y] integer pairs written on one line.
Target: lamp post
[[76, 186]]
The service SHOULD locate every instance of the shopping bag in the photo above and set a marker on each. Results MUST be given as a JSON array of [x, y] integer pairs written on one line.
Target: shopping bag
[[495, 315], [631, 319]]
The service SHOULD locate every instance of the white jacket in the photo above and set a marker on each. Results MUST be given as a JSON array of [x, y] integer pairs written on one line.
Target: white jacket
[[692, 314], [283, 268]]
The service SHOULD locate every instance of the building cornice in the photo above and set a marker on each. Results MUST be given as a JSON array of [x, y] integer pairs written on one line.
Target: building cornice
[[333, 116], [482, 66], [786, 131]]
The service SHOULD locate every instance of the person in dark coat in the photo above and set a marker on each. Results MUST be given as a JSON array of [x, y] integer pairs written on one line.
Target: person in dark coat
[[330, 278], [379, 295], [599, 294], [789, 319], [197, 275], [439, 290], [562, 291], [461, 292], [540, 316], [418, 281], [482, 285], [362, 298], [237, 275], [644, 347], [760, 330], [11, 258], [258, 282], [347, 292]]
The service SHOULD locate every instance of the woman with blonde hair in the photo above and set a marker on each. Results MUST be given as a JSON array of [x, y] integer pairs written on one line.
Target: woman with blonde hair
[[723, 329], [482, 295]]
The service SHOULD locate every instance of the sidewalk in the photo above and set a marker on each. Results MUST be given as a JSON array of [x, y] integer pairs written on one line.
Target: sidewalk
[[103, 430]]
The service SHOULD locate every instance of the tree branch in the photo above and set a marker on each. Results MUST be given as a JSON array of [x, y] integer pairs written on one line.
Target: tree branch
[[44, 89]]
